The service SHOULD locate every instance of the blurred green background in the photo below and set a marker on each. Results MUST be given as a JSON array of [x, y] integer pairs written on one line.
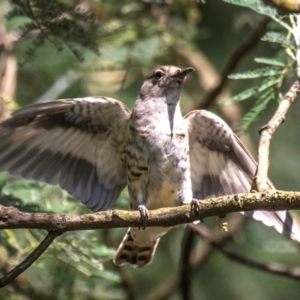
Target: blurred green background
[[133, 37]]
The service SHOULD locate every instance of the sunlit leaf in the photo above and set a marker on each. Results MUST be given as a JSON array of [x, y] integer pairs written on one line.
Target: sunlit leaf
[[255, 5], [259, 107], [276, 37], [268, 71], [251, 91], [271, 61]]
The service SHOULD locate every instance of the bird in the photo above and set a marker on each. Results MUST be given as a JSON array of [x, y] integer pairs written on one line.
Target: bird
[[93, 147]]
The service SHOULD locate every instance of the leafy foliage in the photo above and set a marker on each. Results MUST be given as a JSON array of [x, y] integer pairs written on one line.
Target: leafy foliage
[[134, 36], [57, 23], [258, 73], [259, 107], [277, 37], [256, 5], [266, 84], [77, 254], [278, 67], [271, 61]]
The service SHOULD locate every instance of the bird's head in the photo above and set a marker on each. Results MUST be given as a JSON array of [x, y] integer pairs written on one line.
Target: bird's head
[[165, 82]]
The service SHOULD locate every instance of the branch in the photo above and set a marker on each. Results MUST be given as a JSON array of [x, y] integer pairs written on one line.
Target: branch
[[38, 24], [273, 268], [8, 71], [233, 62], [29, 260], [266, 134], [185, 272], [126, 279], [12, 218], [199, 256], [126, 68]]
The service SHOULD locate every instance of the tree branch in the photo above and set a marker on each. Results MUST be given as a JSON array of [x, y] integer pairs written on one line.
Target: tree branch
[[126, 279], [29, 260], [8, 71], [272, 268], [38, 24], [56, 224], [185, 272], [199, 256], [233, 62], [12, 218], [266, 134]]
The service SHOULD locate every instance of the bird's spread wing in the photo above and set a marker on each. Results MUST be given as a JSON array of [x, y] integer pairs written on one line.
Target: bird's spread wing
[[79, 144], [221, 165]]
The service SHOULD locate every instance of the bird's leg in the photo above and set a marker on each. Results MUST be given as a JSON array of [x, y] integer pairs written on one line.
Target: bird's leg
[[196, 207], [144, 215], [222, 225]]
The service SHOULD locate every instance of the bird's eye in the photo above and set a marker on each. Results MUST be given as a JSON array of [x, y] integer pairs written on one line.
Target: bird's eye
[[158, 75]]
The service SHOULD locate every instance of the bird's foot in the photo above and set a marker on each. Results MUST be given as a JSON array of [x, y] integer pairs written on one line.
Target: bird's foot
[[196, 207], [222, 225], [144, 215]]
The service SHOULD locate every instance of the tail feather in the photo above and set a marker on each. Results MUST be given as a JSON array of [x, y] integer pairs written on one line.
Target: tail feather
[[281, 221], [129, 253]]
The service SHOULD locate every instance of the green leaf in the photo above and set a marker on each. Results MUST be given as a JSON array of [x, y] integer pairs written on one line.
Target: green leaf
[[267, 83], [259, 107], [57, 23], [270, 61], [109, 275], [255, 5], [267, 11], [276, 37], [102, 251], [263, 72], [240, 97]]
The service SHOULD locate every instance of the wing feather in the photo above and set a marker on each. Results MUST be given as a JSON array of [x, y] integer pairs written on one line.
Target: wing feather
[[77, 143], [221, 165]]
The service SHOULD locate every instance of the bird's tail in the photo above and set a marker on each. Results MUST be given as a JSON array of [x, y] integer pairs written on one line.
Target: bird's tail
[[129, 253], [281, 221]]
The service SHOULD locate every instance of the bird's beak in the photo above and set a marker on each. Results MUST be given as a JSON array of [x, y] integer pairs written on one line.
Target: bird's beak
[[183, 72]]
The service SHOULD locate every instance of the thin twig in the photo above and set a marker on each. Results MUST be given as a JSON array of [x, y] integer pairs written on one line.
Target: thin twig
[[23, 287], [30, 259], [165, 289], [198, 256], [38, 23], [273, 268], [266, 134], [127, 68], [126, 279], [234, 61], [8, 71], [186, 269]]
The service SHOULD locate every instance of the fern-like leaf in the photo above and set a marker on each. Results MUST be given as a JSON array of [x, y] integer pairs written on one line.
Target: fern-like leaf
[[267, 83], [258, 109], [276, 37], [256, 5], [263, 72], [277, 62], [57, 22]]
